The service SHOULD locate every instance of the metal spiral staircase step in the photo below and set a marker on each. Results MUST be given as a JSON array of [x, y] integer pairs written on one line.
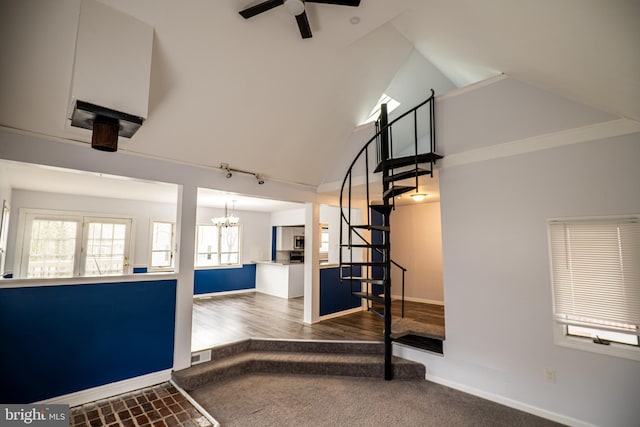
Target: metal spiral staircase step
[[371, 227], [369, 296], [364, 280], [398, 162], [412, 173], [396, 191]]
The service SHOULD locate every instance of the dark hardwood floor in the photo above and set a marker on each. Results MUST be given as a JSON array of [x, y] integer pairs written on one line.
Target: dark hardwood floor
[[228, 318]]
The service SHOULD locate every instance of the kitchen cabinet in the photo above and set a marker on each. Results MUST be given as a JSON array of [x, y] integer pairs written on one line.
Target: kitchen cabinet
[[284, 237]]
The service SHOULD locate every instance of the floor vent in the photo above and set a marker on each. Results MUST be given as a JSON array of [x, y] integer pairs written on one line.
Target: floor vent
[[200, 357]]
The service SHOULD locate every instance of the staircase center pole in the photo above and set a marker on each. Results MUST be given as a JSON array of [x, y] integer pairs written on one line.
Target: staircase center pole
[[385, 154]]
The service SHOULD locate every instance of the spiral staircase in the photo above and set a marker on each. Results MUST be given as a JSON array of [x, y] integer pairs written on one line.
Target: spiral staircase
[[365, 248]]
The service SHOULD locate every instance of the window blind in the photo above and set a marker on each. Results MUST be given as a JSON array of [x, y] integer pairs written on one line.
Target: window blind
[[596, 272]]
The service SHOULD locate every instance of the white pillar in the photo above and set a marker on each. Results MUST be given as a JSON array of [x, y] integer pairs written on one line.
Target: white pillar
[[185, 240], [311, 263]]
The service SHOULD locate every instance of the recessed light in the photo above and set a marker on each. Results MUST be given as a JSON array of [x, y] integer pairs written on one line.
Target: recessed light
[[355, 20]]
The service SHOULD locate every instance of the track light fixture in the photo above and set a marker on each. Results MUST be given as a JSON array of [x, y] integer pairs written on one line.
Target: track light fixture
[[225, 167], [229, 172]]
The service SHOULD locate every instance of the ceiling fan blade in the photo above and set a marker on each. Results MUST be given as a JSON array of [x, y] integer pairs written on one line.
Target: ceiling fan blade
[[303, 24], [354, 3], [260, 7]]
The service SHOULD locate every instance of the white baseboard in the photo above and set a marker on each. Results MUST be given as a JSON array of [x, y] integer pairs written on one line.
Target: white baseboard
[[109, 390], [421, 300], [521, 406], [216, 294], [339, 313]]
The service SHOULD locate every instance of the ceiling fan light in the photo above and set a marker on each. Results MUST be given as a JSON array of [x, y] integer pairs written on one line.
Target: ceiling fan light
[[294, 7]]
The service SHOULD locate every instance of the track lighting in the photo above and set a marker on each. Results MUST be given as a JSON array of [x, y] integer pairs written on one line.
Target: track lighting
[[225, 167], [229, 172]]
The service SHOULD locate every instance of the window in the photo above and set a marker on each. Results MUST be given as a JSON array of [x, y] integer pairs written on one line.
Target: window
[[68, 245], [324, 239], [162, 244], [595, 266], [217, 245]]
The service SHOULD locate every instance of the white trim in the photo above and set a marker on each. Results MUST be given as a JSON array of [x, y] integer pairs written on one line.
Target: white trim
[[215, 294], [109, 390], [339, 314], [561, 338], [196, 405], [89, 280], [587, 133], [554, 416], [421, 300]]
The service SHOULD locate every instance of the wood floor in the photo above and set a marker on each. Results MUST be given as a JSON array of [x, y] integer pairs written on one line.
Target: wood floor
[[228, 318]]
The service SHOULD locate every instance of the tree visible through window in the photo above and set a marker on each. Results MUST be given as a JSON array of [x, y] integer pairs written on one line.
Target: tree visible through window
[[68, 245]]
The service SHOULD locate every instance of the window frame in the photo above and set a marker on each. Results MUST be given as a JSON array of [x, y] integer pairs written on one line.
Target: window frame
[[218, 253], [28, 215], [561, 334], [172, 251]]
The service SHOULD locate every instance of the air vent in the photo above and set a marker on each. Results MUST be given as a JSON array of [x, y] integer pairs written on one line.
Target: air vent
[[200, 357]]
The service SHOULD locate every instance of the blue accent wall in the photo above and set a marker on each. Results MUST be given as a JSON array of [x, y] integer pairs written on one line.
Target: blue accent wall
[[335, 296], [224, 279], [274, 237], [58, 340], [377, 237]]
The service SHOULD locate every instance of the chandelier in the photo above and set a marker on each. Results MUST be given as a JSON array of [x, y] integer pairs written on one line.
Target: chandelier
[[227, 220]]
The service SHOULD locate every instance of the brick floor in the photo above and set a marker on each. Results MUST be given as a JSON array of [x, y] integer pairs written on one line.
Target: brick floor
[[158, 406]]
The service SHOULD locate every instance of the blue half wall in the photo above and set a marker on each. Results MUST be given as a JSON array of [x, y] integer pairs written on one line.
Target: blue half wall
[[58, 340], [224, 279], [335, 296]]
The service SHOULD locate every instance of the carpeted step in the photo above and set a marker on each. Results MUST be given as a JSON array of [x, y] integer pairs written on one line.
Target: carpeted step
[[296, 357]]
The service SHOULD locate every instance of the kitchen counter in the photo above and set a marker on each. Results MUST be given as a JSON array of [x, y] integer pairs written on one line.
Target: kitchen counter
[[281, 279]]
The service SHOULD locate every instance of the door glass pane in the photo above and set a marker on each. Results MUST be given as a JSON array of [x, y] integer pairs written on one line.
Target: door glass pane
[[106, 254], [52, 248]]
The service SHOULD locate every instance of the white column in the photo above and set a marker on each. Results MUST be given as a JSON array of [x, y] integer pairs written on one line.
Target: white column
[[311, 262], [185, 239]]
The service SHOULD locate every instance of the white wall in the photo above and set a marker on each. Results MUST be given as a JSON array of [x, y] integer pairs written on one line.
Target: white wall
[[497, 286], [255, 234], [416, 244], [141, 212], [288, 217]]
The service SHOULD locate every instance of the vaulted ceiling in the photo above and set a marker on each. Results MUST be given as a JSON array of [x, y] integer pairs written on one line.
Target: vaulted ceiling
[[253, 94]]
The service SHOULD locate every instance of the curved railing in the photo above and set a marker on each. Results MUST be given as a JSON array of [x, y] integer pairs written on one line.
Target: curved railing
[[383, 134]]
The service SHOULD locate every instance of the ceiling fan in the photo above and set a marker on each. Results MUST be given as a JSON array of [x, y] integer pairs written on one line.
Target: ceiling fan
[[296, 8]]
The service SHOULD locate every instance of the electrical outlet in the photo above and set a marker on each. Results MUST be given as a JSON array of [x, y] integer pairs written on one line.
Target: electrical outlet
[[549, 375]]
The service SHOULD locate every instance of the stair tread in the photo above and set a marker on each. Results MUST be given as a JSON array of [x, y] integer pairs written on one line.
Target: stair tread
[[371, 227], [363, 245], [406, 326], [364, 279], [373, 263], [397, 162], [397, 190], [369, 296], [407, 174]]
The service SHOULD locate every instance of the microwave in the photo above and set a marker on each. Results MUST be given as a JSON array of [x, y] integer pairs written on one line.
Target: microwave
[[298, 242]]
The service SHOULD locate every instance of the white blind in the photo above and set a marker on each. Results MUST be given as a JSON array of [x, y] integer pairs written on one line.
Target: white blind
[[596, 272]]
